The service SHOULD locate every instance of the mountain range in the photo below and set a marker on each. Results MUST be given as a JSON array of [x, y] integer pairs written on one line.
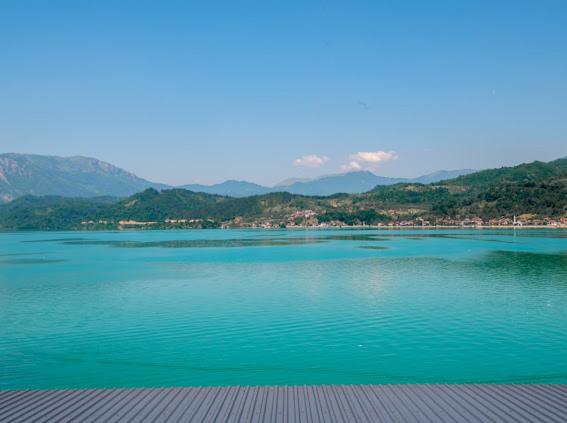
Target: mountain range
[[350, 183], [30, 174], [534, 191], [361, 181]]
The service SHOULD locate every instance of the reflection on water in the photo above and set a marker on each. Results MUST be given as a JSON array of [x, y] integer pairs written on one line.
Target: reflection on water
[[5, 262], [54, 240], [355, 237], [201, 243], [324, 307], [520, 267]]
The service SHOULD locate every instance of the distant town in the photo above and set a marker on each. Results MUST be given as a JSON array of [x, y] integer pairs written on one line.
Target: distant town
[[299, 219], [528, 195]]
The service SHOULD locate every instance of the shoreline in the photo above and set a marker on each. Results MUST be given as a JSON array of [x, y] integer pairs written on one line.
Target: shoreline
[[300, 228], [426, 227]]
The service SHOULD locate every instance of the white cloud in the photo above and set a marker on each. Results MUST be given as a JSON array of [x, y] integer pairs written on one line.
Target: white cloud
[[374, 157], [368, 160], [353, 165], [311, 160]]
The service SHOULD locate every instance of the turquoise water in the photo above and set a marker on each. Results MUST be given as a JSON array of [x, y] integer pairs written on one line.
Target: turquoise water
[[171, 308]]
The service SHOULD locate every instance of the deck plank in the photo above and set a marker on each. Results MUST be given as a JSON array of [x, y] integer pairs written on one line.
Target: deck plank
[[310, 404]]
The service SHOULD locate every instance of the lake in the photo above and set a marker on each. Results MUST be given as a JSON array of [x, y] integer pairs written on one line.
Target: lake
[[250, 307]]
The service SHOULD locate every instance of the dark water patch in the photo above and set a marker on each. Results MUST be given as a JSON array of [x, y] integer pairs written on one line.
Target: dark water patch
[[372, 247], [536, 378], [202, 243], [501, 259], [242, 368], [521, 267], [21, 254], [416, 237], [249, 368], [33, 241], [550, 233], [480, 238], [525, 262], [355, 237], [25, 261]]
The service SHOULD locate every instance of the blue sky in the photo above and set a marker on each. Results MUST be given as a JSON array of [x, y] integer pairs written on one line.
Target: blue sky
[[184, 92]]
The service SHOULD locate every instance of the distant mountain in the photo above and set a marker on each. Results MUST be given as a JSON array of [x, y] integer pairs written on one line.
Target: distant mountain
[[31, 174], [350, 183], [533, 190], [362, 181], [230, 188], [290, 181], [440, 175]]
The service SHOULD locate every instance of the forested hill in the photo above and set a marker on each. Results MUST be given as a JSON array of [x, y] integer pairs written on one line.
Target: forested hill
[[523, 173], [34, 174], [535, 191]]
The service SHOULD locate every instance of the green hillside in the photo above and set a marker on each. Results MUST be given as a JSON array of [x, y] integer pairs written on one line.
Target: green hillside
[[523, 173], [33, 174], [537, 190]]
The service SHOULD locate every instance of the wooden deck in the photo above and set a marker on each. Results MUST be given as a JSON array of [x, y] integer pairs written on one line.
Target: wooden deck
[[356, 403]]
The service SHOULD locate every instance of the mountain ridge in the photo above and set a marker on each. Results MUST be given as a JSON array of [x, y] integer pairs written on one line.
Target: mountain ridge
[[349, 182], [81, 176], [75, 176], [534, 191]]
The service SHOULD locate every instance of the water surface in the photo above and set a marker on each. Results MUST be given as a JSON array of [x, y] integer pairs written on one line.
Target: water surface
[[170, 308]]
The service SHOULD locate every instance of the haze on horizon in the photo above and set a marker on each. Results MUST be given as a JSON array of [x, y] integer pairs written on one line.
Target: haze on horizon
[[185, 92]]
